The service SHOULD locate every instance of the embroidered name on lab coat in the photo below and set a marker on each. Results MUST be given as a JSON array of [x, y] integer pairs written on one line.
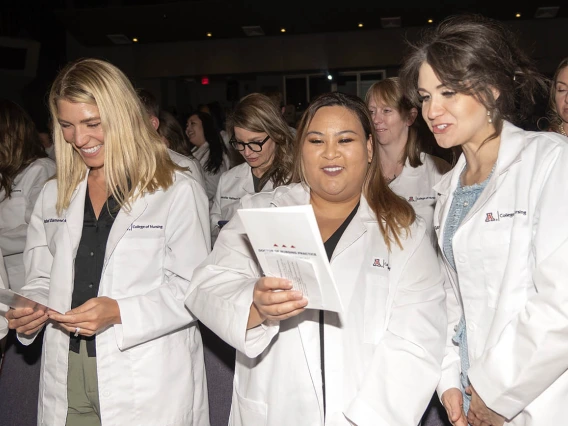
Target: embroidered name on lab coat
[[51, 220], [413, 199], [226, 197], [136, 227]]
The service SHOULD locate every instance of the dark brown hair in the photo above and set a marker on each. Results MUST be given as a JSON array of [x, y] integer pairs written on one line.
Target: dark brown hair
[[20, 144], [171, 130], [473, 55], [394, 215]]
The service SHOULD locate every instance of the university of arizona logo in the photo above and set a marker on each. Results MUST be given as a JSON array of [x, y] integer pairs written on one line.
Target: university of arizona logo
[[489, 217], [410, 199], [380, 263]]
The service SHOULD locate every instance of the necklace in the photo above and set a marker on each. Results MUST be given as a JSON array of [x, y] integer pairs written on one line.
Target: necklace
[[561, 130], [390, 179]]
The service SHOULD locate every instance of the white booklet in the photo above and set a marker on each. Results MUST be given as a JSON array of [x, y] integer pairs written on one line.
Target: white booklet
[[16, 300], [288, 244]]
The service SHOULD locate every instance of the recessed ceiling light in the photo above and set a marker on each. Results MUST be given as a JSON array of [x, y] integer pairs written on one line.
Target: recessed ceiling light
[[430, 21], [209, 35], [518, 15], [135, 40], [282, 30], [360, 25]]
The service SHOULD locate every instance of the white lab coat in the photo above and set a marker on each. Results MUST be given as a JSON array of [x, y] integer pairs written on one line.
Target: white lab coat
[[150, 368], [15, 213], [511, 254], [3, 308], [191, 163], [415, 185], [201, 153], [233, 185], [382, 358]]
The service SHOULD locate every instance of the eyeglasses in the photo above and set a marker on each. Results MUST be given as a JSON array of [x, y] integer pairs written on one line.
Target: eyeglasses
[[253, 146]]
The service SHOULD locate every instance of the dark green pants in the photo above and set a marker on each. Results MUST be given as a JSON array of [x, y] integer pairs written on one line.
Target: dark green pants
[[82, 389]]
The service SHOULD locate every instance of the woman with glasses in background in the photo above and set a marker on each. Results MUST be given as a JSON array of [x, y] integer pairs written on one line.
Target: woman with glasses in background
[[260, 134]]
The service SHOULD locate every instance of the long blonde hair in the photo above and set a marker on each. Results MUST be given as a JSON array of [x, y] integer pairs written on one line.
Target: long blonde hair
[[394, 214], [554, 115], [136, 162]]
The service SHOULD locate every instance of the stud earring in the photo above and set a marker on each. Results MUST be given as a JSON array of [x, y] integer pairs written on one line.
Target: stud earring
[[489, 119]]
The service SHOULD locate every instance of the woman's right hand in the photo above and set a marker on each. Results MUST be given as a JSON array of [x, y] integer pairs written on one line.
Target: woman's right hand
[[452, 399], [274, 299], [26, 320]]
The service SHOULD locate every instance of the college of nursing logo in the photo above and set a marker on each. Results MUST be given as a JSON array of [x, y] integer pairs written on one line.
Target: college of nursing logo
[[492, 217]]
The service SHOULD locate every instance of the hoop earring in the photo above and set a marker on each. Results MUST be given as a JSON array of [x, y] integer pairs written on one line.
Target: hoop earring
[[489, 119]]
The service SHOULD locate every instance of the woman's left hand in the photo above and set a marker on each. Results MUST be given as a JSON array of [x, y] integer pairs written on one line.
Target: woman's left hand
[[480, 414], [93, 315]]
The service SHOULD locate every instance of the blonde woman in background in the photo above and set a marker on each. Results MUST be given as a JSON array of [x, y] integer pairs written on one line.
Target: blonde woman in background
[[409, 171], [558, 101]]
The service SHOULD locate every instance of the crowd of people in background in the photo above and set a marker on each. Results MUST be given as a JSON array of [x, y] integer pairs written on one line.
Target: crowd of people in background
[[442, 217]]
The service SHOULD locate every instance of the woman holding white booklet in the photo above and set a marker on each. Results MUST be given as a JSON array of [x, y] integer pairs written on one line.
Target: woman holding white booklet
[[379, 362]]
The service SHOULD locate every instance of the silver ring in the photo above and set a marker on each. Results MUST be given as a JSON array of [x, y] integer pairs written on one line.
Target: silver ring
[[77, 330]]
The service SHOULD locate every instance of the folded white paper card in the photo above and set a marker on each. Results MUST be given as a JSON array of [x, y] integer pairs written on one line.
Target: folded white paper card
[[15, 300], [288, 244]]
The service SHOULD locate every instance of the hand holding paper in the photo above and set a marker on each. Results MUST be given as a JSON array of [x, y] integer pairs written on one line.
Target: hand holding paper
[[275, 299], [26, 320], [287, 243]]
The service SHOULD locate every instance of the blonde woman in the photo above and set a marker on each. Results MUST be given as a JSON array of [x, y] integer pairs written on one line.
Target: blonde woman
[[379, 362], [558, 101], [409, 171], [111, 247]]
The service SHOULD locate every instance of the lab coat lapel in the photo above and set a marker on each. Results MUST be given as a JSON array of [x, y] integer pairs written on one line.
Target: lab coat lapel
[[75, 214], [510, 148], [309, 326], [309, 333], [247, 179], [122, 223], [356, 228]]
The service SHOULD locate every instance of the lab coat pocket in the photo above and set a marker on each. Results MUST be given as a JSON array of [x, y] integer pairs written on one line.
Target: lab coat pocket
[[376, 294], [249, 412]]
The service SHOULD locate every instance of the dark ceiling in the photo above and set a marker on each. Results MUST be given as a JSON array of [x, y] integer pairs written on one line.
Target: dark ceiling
[[154, 21]]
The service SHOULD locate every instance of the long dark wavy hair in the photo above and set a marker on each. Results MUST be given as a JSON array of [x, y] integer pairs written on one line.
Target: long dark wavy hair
[[213, 137], [20, 144], [474, 55]]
